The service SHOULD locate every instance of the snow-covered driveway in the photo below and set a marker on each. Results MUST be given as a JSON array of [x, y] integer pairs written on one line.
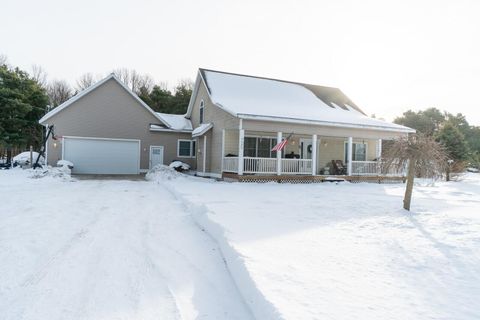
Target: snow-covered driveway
[[106, 250]]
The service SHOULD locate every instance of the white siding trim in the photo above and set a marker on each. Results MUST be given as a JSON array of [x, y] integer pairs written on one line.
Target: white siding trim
[[279, 155], [349, 156], [223, 150]]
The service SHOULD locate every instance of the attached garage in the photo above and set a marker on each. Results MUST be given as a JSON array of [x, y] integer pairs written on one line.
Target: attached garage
[[102, 155]]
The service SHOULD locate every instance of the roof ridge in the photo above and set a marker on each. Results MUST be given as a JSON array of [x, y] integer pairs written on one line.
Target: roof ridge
[[266, 78]]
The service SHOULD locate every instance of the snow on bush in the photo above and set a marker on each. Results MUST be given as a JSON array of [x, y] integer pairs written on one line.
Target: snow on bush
[[162, 172], [179, 166], [63, 173], [65, 163], [24, 158]]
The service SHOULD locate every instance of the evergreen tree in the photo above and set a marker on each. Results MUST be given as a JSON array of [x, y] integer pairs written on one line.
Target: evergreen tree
[[426, 122], [181, 99], [454, 141], [158, 99], [22, 103]]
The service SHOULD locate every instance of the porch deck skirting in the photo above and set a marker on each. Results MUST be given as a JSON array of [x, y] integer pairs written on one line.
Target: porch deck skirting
[[311, 179]]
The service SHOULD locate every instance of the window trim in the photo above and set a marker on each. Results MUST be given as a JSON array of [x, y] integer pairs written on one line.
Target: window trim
[[201, 116], [193, 145]]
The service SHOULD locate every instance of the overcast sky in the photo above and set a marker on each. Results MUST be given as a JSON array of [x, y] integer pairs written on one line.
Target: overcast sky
[[387, 56]]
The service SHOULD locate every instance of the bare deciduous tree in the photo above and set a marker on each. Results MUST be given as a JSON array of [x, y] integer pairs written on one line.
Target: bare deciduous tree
[[86, 80], [3, 59], [39, 75], [135, 81], [58, 92], [420, 154], [185, 84]]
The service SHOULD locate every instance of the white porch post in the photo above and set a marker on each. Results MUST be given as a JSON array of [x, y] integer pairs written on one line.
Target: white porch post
[[223, 150], [241, 137], [314, 154], [279, 155], [349, 155], [379, 156], [379, 148], [204, 153]]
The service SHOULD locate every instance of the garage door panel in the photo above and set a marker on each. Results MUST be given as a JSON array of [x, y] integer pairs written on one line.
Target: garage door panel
[[102, 156]]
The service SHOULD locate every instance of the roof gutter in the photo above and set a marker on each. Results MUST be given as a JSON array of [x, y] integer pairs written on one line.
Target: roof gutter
[[170, 130], [323, 123]]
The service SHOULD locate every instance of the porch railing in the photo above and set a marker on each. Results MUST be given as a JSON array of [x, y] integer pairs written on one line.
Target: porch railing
[[294, 166], [362, 168], [230, 164], [259, 165], [365, 168], [268, 165], [303, 166]]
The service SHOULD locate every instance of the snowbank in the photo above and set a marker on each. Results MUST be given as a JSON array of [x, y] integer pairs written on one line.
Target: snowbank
[[161, 173], [63, 173]]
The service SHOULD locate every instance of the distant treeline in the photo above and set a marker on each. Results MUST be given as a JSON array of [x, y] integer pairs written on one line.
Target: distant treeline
[[460, 139]]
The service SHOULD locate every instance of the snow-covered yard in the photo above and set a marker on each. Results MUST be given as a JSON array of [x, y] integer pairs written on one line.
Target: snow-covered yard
[[347, 251], [106, 250], [133, 250]]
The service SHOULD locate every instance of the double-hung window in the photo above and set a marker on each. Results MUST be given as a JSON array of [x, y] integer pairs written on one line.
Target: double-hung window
[[186, 148]]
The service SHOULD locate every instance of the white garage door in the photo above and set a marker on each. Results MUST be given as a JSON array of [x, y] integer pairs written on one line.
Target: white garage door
[[102, 156]]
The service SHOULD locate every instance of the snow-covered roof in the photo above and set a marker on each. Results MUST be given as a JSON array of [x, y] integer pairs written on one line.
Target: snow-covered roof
[[201, 129], [176, 121], [258, 98]]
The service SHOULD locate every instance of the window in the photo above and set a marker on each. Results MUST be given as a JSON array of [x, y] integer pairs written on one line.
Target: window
[[259, 147], [202, 110], [186, 148], [359, 152]]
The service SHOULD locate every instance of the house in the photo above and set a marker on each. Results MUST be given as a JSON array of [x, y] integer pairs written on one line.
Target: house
[[238, 119], [107, 129], [232, 123]]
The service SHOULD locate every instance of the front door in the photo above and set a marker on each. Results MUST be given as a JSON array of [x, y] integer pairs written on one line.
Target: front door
[[306, 148], [156, 155], [306, 153]]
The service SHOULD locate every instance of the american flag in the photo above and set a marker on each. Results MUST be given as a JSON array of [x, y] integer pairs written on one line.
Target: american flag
[[279, 146]]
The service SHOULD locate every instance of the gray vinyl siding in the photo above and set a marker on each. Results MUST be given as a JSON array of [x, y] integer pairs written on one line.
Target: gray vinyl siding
[[110, 111], [221, 120]]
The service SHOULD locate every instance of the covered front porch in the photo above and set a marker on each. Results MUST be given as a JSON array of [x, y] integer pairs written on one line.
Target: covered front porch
[[249, 153]]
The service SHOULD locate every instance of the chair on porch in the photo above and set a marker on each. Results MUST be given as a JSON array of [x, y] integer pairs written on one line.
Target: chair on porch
[[338, 167]]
